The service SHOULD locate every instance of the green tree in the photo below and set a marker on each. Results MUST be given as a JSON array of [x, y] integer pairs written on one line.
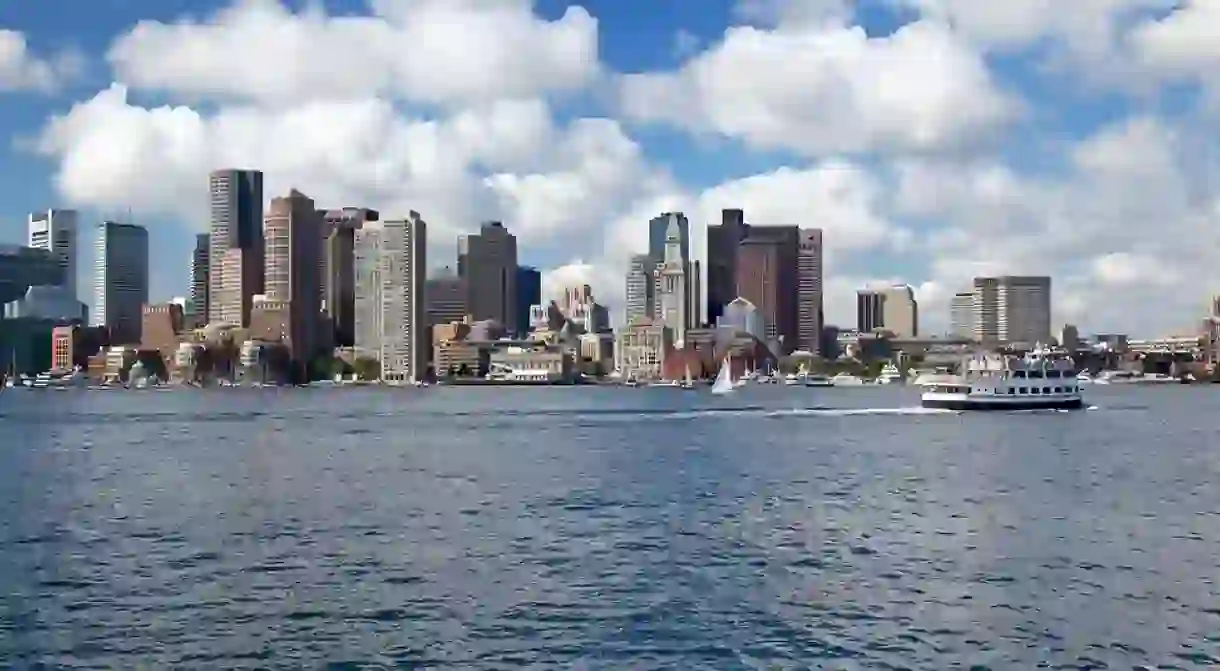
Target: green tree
[[367, 368]]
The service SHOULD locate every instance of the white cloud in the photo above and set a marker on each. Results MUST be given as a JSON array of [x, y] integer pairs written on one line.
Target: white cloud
[[1126, 232], [21, 69], [550, 183], [436, 51], [1086, 27], [1184, 45], [822, 87]]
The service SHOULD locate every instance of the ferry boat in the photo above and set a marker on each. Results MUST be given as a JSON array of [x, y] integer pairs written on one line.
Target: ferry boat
[[1041, 380]]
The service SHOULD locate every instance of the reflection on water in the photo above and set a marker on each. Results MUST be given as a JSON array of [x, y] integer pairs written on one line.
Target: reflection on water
[[606, 529]]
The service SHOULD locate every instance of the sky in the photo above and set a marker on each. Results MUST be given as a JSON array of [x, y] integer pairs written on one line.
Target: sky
[[931, 140]]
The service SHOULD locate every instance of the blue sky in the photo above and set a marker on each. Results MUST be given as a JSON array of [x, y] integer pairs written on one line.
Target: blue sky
[[931, 141]]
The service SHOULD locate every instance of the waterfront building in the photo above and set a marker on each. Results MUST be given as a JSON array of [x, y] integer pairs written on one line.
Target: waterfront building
[[197, 307], [235, 254], [487, 261], [446, 297], [338, 272], [25, 267], [809, 290], [120, 280], [55, 231], [294, 236], [961, 315], [760, 264], [672, 297], [391, 311], [893, 309], [640, 349], [1012, 309], [529, 293]]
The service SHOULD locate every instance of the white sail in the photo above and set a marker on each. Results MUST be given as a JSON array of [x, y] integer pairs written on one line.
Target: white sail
[[724, 380], [689, 382]]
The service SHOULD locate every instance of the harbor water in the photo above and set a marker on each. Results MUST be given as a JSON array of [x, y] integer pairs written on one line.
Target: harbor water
[[606, 528]]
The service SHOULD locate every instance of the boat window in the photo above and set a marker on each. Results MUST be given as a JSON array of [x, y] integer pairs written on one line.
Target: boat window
[[1018, 373], [1024, 390], [1011, 391], [1035, 390], [1058, 390], [1036, 374], [1052, 374]]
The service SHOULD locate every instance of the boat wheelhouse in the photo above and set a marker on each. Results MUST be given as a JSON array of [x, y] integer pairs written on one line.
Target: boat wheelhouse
[[1041, 380]]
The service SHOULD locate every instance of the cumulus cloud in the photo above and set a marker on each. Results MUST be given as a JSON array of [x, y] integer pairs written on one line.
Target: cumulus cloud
[[1129, 223], [829, 88], [434, 51], [22, 70], [446, 107]]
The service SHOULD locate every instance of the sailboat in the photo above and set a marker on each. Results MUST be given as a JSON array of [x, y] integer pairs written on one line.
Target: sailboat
[[724, 379]]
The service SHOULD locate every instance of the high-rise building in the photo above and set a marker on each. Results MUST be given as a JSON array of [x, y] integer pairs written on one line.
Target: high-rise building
[[445, 295], [722, 243], [1012, 309], [338, 270], [292, 251], [961, 315], [391, 308], [809, 290], [120, 280], [659, 229], [893, 309], [200, 263], [694, 286], [640, 303], [731, 244], [55, 232], [23, 267], [529, 293], [758, 282], [487, 261], [236, 245], [870, 310], [672, 296]]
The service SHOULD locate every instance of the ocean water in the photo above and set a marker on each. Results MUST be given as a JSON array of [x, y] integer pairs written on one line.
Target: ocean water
[[775, 528]]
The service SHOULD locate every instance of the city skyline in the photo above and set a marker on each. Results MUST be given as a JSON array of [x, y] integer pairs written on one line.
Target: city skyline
[[981, 166]]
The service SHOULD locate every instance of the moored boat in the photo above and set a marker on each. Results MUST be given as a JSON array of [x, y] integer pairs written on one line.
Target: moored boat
[[1041, 380]]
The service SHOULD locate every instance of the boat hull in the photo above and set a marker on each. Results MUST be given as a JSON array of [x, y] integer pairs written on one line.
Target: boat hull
[[945, 402]]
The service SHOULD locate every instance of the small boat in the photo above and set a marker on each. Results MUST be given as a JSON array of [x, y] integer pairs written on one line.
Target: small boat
[[687, 382], [818, 381], [724, 379], [891, 375], [1041, 380], [846, 380], [665, 383]]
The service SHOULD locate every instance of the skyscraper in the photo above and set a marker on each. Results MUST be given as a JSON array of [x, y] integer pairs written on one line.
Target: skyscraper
[[672, 296], [893, 309], [640, 287], [338, 270], [734, 241], [659, 233], [292, 232], [445, 295], [200, 264], [55, 232], [487, 261], [1012, 309], [722, 243], [809, 290], [961, 315], [120, 280], [391, 309], [236, 255], [529, 293]]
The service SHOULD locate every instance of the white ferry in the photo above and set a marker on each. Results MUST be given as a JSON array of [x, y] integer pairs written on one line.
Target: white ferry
[[1040, 380]]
